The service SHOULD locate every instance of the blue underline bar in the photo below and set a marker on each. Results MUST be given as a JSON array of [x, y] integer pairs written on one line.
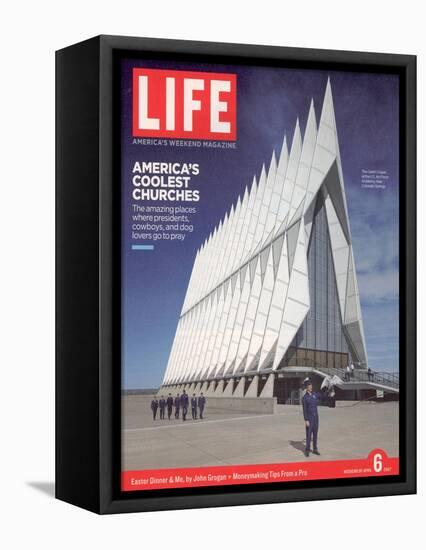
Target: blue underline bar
[[142, 247]]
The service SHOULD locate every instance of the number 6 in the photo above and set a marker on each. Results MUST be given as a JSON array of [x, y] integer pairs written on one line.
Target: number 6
[[378, 462]]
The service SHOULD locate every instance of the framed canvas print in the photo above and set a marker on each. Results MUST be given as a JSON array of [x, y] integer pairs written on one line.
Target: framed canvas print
[[235, 274]]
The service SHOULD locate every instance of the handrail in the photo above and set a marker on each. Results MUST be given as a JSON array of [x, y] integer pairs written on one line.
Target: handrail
[[359, 375]]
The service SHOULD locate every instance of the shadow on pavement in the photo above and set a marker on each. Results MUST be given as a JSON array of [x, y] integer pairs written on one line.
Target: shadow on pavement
[[298, 445]]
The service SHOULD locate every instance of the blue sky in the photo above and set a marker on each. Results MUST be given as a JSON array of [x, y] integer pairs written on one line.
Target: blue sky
[[374, 226], [268, 103]]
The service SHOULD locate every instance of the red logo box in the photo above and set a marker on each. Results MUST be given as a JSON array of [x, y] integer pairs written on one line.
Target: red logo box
[[184, 104]]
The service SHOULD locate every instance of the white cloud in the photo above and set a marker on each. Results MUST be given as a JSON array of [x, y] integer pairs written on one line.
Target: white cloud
[[379, 286], [374, 219]]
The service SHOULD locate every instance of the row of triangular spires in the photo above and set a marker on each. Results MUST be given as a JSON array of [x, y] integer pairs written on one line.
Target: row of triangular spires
[[249, 239]]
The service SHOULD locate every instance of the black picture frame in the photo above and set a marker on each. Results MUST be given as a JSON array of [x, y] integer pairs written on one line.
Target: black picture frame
[[88, 377]]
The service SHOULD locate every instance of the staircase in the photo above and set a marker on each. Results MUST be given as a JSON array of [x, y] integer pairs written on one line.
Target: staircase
[[386, 381]]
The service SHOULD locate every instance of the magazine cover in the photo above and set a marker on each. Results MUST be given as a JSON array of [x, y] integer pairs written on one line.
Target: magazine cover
[[259, 274]]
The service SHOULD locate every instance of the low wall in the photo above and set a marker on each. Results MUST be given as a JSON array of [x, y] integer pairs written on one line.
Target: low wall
[[250, 405]]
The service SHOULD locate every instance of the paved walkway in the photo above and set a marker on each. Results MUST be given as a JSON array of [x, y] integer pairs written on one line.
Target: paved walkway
[[348, 431]]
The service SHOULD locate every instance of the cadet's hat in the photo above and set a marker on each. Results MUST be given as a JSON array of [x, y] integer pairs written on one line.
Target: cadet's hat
[[306, 382]]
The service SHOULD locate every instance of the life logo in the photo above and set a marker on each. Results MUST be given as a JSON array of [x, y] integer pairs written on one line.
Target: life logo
[[184, 104]]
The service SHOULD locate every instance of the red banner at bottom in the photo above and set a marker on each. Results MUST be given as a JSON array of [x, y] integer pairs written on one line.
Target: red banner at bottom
[[376, 464]]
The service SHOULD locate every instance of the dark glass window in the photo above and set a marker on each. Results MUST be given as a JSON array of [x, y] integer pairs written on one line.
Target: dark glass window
[[322, 328]]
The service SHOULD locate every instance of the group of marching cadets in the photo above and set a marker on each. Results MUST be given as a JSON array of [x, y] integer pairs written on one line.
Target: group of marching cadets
[[180, 403]]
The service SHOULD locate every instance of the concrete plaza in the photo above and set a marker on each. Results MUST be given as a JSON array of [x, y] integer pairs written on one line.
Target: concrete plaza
[[351, 430]]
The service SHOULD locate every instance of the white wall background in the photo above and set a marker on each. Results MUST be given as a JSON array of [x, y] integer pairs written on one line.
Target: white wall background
[[30, 32]]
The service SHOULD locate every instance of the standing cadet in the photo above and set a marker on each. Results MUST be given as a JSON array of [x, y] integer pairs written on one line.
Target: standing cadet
[[154, 407], [310, 414], [201, 404], [177, 405], [184, 402], [169, 403], [348, 373], [194, 407], [162, 404]]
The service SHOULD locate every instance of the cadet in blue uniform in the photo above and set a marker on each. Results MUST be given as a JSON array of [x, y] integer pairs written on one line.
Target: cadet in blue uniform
[[169, 403], [310, 413], [184, 402], [177, 405], [154, 407], [162, 405], [194, 407], [201, 404]]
